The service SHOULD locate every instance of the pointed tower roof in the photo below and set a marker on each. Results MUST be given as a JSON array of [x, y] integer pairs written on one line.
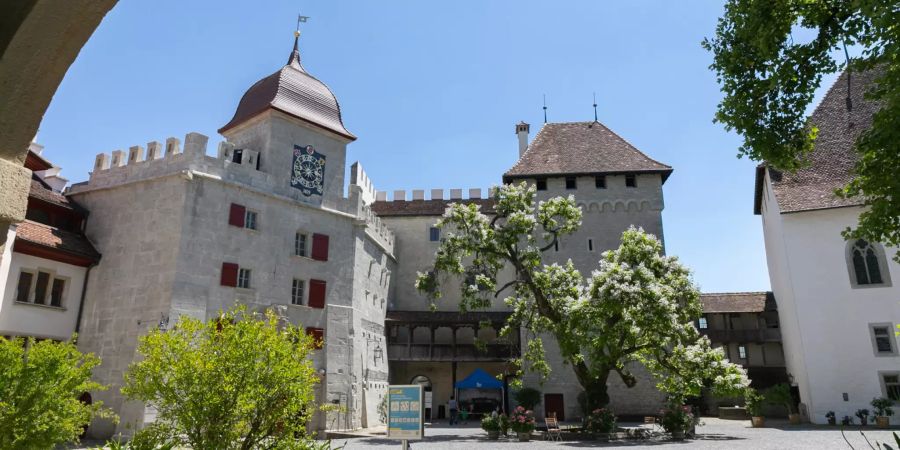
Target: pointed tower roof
[[581, 148], [293, 91]]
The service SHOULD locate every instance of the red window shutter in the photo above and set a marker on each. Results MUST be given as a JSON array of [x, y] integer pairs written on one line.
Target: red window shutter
[[316, 294], [317, 334], [320, 247], [236, 215], [229, 274]]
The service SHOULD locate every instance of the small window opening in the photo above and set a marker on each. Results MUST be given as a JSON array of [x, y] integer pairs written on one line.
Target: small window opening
[[630, 181], [541, 184], [571, 183]]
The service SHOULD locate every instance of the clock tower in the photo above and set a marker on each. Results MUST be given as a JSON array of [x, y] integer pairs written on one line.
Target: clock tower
[[294, 121]]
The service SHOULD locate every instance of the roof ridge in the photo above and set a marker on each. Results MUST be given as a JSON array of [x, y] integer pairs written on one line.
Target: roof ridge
[[629, 143]]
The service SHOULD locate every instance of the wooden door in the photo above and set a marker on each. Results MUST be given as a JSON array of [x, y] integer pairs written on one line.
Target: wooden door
[[553, 404]]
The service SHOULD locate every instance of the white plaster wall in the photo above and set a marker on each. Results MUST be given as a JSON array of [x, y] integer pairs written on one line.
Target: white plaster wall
[[825, 322], [26, 319], [833, 317]]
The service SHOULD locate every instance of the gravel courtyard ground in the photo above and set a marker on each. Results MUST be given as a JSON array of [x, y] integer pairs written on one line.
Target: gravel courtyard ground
[[715, 434]]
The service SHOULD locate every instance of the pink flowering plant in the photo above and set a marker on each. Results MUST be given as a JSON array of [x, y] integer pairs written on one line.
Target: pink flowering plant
[[678, 418], [522, 420], [600, 420]]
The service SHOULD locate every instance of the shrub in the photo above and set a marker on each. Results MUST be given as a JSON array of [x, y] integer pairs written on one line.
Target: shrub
[[522, 420], [527, 397], [754, 402], [490, 423], [600, 420], [883, 406], [504, 424], [863, 415], [678, 418], [40, 386], [780, 394], [242, 381]]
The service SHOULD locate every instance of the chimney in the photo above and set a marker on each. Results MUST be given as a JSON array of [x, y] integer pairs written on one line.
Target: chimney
[[522, 131]]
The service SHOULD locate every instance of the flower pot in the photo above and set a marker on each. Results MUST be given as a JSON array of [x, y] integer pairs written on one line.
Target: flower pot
[[494, 434], [832, 421], [863, 421], [678, 435], [794, 419], [524, 436], [882, 421], [758, 421]]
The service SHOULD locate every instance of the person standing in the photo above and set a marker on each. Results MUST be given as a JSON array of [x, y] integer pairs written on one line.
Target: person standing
[[454, 409]]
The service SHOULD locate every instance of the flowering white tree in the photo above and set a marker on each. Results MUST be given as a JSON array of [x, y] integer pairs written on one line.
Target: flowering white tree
[[638, 307]]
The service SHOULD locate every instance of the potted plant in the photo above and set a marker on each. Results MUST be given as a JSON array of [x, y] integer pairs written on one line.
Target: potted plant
[[522, 422], [831, 418], [754, 402], [863, 415], [491, 424], [601, 423], [883, 411], [780, 394], [504, 424], [847, 421], [677, 419]]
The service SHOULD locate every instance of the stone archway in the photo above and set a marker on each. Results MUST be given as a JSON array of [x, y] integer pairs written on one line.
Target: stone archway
[[39, 40]]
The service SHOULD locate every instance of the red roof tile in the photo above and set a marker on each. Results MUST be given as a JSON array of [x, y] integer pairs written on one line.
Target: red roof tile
[[53, 238], [737, 302]]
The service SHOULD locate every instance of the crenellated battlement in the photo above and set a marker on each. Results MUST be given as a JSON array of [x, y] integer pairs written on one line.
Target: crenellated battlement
[[359, 178], [435, 194]]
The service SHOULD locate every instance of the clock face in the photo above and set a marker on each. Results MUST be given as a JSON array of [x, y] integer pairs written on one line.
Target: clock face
[[308, 170]]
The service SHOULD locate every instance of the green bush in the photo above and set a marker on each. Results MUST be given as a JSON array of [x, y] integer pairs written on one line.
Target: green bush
[[780, 394], [883, 406], [241, 381], [754, 402], [527, 397], [40, 386]]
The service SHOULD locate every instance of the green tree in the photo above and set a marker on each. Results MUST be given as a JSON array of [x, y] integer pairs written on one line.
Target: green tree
[[243, 381], [40, 386], [769, 81], [638, 307]]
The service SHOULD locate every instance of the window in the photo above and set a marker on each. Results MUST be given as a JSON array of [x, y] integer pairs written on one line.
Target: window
[[243, 280], [237, 156], [300, 244], [600, 181], [318, 336], [541, 184], [297, 292], [317, 290], [590, 245], [883, 339], [702, 323], [40, 288], [866, 264], [56, 291], [434, 234], [236, 215], [891, 383], [630, 181], [23, 289], [742, 352], [571, 183], [320, 247], [229, 274], [250, 220]]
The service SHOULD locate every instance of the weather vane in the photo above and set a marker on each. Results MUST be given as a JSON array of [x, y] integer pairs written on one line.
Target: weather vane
[[300, 19], [595, 107]]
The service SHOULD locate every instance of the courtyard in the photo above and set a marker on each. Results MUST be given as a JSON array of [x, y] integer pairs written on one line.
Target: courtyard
[[714, 434]]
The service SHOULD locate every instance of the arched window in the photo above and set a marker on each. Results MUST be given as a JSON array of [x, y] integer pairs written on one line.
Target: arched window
[[423, 380], [866, 264]]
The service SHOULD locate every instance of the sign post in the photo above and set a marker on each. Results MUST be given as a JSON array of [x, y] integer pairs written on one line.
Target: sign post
[[406, 413]]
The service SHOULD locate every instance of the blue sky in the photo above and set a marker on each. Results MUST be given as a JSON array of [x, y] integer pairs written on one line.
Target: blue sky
[[433, 90]]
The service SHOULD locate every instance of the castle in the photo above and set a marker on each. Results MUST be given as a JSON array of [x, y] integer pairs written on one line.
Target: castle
[[267, 223]]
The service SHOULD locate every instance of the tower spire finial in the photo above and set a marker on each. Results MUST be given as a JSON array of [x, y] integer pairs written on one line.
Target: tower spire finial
[[595, 107], [545, 108], [295, 54]]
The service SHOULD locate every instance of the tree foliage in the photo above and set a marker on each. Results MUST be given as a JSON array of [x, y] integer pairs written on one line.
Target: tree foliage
[[638, 307], [243, 381], [769, 81], [40, 386]]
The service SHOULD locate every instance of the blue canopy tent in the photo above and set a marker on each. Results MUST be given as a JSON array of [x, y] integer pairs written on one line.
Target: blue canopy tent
[[479, 379]]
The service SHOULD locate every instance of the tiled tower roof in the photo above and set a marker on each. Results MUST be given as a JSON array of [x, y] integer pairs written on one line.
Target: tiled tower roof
[[293, 91], [582, 148]]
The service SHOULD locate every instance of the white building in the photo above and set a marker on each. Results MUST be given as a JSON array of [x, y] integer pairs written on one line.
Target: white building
[[837, 299], [44, 266]]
